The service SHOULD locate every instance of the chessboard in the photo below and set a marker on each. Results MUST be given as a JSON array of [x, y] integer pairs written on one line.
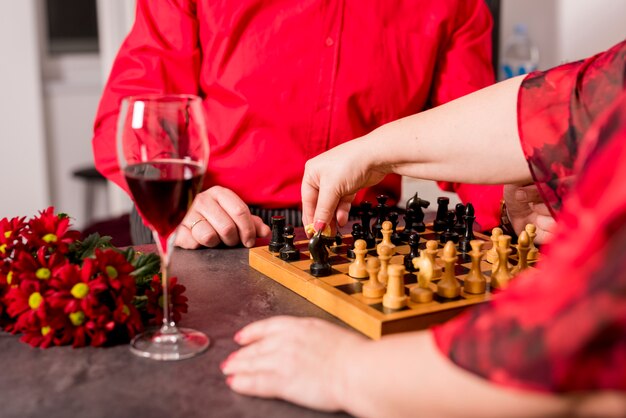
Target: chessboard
[[341, 295]]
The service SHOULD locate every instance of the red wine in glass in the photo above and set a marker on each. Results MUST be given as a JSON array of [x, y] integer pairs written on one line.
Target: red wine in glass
[[163, 191], [163, 151]]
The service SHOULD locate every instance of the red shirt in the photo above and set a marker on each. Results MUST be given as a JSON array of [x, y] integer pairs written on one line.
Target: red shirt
[[283, 81], [562, 326]]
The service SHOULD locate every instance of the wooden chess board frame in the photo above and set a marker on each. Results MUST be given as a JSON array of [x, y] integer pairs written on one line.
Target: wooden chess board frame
[[340, 295]]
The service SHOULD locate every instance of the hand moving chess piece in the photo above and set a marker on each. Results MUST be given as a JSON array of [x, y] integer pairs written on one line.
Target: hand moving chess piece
[[523, 247], [384, 255], [533, 252], [431, 252], [492, 254], [320, 266], [358, 269], [500, 278], [278, 229], [422, 293], [449, 287], [373, 288], [289, 252], [475, 282], [395, 298]]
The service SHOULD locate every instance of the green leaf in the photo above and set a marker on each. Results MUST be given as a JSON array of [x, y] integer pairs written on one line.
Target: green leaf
[[87, 248]]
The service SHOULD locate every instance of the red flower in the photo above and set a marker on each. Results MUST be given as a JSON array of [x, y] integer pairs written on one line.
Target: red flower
[[117, 272], [50, 231], [129, 316], [27, 305], [10, 236], [78, 288], [38, 269], [178, 302]]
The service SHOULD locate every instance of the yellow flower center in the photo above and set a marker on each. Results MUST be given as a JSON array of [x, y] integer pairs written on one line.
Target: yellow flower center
[[111, 272], [50, 238], [3, 248], [9, 277], [34, 300], [80, 290], [125, 310], [45, 330], [43, 273], [77, 318], [7, 234]]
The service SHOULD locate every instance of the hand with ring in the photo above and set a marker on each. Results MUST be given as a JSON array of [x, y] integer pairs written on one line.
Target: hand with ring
[[218, 215]]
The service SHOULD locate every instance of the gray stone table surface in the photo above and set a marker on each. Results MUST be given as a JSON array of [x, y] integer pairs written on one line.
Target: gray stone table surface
[[224, 293]]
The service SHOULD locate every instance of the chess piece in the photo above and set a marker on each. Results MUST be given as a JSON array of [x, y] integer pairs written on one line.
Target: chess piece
[[523, 247], [357, 268], [475, 282], [492, 254], [395, 236], [449, 234], [422, 293], [278, 229], [320, 266], [408, 217], [533, 252], [373, 288], [384, 256], [381, 215], [289, 252], [459, 225], [394, 297], [431, 252], [386, 232], [449, 287], [441, 220], [417, 205], [357, 234], [414, 242], [366, 218], [500, 278], [468, 234]]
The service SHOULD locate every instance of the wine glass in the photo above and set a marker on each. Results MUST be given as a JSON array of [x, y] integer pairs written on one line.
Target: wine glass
[[163, 150]]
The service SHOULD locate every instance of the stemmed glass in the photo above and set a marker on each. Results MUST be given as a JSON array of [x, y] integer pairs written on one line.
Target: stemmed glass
[[163, 150]]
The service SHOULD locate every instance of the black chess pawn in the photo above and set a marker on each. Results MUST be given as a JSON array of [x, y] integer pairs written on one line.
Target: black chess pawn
[[441, 220], [449, 234], [459, 226], [414, 242], [289, 252], [381, 215], [468, 234], [357, 233], [395, 236], [366, 219], [278, 229], [408, 217], [320, 266]]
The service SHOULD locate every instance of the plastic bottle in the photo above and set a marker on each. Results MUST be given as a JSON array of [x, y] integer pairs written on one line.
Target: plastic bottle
[[521, 55]]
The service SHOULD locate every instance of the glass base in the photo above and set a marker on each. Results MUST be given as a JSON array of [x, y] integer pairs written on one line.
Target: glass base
[[177, 344]]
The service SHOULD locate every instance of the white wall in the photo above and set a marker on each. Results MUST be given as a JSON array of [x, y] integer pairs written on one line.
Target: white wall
[[588, 27], [23, 165]]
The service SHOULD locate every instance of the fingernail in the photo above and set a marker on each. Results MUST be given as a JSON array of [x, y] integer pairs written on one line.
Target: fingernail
[[237, 336], [319, 225], [249, 243], [229, 380], [223, 365], [521, 195]]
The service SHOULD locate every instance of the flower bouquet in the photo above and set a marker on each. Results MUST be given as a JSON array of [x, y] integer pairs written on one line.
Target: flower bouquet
[[58, 290]]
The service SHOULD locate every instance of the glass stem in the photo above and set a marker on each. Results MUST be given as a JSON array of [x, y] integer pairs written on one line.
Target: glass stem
[[166, 245]]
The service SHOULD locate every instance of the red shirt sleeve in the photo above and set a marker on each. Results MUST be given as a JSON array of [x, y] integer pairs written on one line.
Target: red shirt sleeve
[[466, 66], [160, 55], [562, 326]]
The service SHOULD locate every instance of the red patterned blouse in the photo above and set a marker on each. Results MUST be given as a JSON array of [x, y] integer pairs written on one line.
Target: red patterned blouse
[[562, 327]]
